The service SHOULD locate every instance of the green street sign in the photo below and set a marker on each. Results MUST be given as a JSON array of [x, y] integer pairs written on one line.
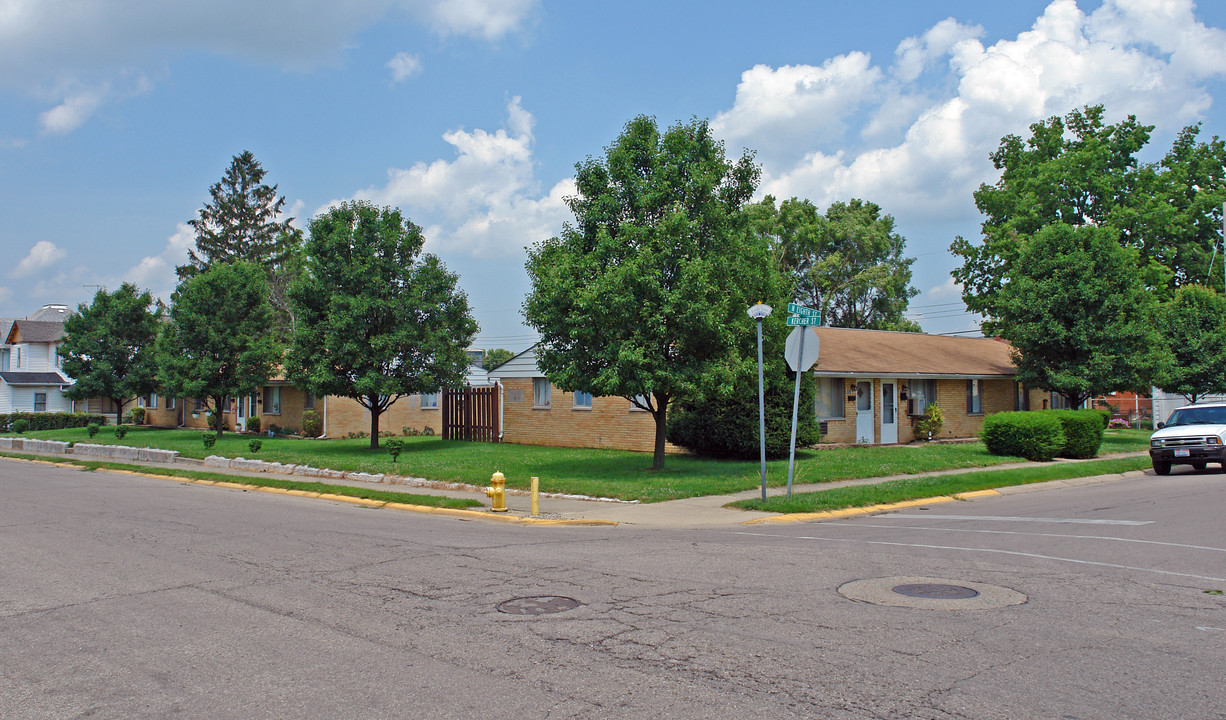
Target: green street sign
[[802, 310], [805, 321]]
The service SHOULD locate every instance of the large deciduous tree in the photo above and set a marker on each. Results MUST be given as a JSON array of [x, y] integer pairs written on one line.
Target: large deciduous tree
[[377, 319], [219, 343], [109, 347], [1193, 327], [1082, 171], [642, 295], [848, 263], [242, 222], [1080, 321]]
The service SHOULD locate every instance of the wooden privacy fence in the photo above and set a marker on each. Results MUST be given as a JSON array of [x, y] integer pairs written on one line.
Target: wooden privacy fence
[[471, 413]]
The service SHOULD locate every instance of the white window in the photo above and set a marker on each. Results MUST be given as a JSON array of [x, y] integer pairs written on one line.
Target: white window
[[17, 357], [308, 401], [829, 402], [583, 400], [540, 392], [152, 401], [923, 394], [170, 403], [272, 400], [40, 402], [429, 401], [642, 400]]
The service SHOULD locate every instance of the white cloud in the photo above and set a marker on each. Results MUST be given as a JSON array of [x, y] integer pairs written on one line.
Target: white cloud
[[156, 273], [485, 202], [43, 255], [404, 66], [1145, 57], [490, 19], [779, 107], [91, 42], [72, 113], [944, 291]]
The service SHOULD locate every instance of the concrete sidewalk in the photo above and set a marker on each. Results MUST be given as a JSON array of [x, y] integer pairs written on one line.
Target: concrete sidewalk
[[697, 512]]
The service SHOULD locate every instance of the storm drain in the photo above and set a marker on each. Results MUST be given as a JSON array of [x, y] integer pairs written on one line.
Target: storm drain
[[540, 605], [931, 593]]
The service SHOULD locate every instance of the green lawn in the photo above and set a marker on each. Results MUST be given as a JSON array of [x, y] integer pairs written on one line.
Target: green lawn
[[894, 491], [604, 473]]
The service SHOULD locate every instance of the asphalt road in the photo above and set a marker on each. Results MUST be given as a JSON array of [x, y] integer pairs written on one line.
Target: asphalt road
[[130, 597]]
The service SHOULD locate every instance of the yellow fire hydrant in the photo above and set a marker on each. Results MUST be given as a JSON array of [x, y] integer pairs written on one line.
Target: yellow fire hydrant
[[497, 492]]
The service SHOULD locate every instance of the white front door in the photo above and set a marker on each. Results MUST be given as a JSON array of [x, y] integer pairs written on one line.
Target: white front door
[[864, 412], [240, 417], [889, 412]]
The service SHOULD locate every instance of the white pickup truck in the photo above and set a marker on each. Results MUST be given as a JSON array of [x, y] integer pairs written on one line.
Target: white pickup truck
[[1193, 435]]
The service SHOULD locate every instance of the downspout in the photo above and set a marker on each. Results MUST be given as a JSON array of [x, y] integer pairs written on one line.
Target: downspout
[[325, 418], [501, 406]]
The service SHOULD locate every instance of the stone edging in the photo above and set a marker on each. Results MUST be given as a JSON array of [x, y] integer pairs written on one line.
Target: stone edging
[[125, 452]]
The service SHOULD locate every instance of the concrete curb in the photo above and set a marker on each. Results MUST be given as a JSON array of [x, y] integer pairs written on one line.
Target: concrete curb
[[868, 509], [364, 502]]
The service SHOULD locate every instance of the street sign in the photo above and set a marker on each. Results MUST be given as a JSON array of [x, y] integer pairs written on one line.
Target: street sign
[[802, 310], [805, 321], [801, 358]]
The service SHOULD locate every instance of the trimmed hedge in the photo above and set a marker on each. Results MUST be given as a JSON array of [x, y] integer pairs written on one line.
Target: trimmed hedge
[[1032, 435], [50, 421], [1044, 434], [1083, 432]]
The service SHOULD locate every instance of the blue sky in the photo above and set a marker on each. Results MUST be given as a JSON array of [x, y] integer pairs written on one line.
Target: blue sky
[[469, 115]]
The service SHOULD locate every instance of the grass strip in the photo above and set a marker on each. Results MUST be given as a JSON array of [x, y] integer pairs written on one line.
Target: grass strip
[[304, 486], [937, 485]]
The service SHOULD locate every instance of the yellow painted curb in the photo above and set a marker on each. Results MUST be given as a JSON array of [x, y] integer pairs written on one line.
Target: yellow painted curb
[[869, 509], [847, 512], [975, 494]]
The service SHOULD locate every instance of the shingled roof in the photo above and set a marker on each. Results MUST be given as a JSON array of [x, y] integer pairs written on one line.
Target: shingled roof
[[26, 331], [847, 352]]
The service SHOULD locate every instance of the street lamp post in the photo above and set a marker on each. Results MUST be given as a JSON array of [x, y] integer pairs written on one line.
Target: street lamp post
[[759, 312]]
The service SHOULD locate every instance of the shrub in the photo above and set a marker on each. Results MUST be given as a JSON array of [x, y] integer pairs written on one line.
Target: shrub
[[121, 431], [409, 431], [728, 427], [136, 416], [50, 421], [394, 448], [1032, 435], [274, 428], [1118, 423], [20, 425], [91, 430], [253, 424], [312, 424], [1083, 432], [210, 439], [930, 423], [1106, 415], [255, 445], [428, 431]]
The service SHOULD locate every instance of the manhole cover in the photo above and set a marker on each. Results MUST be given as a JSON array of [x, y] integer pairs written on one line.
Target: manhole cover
[[929, 593], [541, 605], [935, 591]]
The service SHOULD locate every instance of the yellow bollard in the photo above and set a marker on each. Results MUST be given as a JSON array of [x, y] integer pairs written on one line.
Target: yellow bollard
[[497, 491], [536, 496]]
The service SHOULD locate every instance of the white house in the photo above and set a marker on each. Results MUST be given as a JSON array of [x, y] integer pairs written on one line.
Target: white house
[[32, 380]]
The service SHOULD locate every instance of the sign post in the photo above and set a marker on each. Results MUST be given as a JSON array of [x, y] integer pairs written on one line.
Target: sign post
[[760, 312], [800, 361]]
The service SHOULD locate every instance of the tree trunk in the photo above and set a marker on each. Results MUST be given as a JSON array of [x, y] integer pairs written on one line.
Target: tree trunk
[[118, 403], [375, 411], [218, 404], [657, 457]]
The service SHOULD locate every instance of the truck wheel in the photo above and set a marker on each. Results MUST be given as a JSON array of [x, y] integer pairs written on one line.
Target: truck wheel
[[1162, 468]]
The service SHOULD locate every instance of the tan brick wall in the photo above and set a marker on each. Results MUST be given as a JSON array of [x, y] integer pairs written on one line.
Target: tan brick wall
[[610, 423], [951, 398], [346, 415]]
